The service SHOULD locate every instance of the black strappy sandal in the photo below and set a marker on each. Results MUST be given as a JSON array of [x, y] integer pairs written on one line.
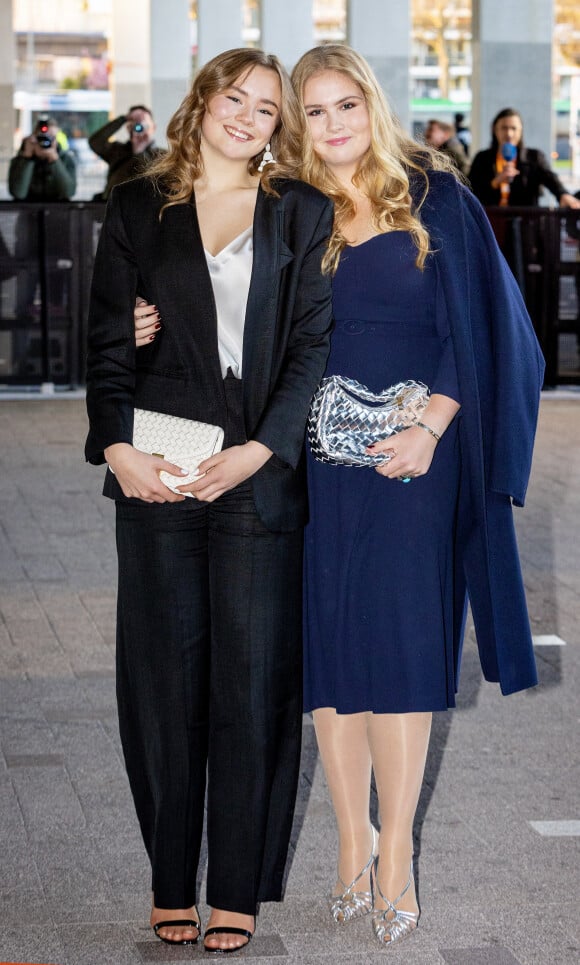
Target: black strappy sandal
[[227, 930], [180, 923]]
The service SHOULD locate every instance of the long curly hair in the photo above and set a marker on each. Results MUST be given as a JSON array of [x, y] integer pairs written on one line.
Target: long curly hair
[[176, 171], [384, 172]]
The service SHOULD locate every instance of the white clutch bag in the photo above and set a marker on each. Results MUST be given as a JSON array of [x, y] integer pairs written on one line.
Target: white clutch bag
[[181, 441]]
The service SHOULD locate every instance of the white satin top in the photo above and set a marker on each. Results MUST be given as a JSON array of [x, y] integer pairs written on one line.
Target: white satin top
[[230, 272]]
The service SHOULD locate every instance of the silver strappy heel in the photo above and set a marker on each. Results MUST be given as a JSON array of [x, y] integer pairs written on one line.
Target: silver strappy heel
[[387, 931], [353, 904]]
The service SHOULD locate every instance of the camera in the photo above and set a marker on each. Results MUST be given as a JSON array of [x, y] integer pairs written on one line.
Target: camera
[[138, 128], [43, 138]]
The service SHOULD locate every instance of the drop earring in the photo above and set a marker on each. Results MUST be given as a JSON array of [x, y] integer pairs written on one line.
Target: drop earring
[[267, 158]]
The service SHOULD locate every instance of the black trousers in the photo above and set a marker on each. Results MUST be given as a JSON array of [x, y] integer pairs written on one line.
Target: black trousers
[[209, 682], [209, 677]]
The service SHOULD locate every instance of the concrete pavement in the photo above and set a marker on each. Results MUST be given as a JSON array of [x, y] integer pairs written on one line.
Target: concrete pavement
[[498, 829]]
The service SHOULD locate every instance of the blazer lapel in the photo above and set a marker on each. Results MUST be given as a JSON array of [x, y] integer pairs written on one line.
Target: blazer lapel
[[182, 261], [271, 254]]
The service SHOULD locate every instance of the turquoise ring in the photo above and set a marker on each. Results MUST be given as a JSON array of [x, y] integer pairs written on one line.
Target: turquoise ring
[[405, 479]]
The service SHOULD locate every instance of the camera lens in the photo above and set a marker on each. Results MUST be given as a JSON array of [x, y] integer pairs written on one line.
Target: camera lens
[[138, 128], [44, 141]]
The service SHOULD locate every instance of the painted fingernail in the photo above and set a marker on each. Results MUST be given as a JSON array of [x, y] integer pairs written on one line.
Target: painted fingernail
[[151, 337], [158, 326], [184, 472]]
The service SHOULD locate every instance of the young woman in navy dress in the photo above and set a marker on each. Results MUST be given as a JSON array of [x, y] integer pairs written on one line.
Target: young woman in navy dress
[[420, 291]]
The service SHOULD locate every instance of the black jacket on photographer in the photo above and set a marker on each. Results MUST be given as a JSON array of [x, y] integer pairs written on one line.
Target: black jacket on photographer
[[37, 179], [124, 164]]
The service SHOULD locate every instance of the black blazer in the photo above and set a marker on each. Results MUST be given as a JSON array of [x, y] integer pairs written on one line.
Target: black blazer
[[286, 335], [535, 172]]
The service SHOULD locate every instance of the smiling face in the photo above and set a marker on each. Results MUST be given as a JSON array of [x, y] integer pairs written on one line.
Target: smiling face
[[339, 121], [240, 120]]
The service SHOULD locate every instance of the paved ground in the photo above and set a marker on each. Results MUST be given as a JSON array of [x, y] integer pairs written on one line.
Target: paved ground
[[498, 831]]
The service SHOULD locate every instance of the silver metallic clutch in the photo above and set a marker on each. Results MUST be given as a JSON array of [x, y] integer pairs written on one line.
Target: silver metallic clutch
[[184, 442], [346, 417]]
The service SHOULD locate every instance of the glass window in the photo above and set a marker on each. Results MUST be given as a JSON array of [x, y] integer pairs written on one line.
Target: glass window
[[251, 23], [330, 20]]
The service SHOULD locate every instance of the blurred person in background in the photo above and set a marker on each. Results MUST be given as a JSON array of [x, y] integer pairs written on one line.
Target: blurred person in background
[[43, 170], [462, 133], [441, 136], [126, 159], [497, 178]]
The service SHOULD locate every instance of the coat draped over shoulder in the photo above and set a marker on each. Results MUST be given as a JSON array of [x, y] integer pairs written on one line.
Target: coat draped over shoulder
[[500, 370]]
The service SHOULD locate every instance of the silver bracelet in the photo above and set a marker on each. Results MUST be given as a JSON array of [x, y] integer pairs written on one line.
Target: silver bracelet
[[428, 429]]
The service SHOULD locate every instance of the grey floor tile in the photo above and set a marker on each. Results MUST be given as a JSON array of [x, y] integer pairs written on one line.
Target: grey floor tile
[[158, 952], [74, 876], [47, 806], [34, 760], [32, 942], [478, 956], [105, 942], [94, 910]]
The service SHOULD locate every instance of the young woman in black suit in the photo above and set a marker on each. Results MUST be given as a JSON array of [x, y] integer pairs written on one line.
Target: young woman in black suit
[[209, 606]]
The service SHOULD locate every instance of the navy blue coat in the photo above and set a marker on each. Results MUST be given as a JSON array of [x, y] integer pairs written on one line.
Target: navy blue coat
[[500, 370]]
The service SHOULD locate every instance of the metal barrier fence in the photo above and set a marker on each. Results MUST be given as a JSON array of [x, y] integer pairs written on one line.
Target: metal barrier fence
[[46, 260], [541, 246]]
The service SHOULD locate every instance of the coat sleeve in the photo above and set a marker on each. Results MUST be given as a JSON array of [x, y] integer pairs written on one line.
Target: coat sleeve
[[446, 381], [20, 176], [283, 422], [518, 364], [99, 141], [64, 175], [547, 177], [111, 338]]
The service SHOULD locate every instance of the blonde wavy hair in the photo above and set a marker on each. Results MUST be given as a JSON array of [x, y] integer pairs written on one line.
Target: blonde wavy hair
[[385, 170], [176, 171]]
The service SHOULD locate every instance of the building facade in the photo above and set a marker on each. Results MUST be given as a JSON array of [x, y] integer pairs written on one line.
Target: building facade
[[433, 57]]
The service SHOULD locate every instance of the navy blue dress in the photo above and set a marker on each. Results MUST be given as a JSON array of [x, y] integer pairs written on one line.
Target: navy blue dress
[[379, 553]]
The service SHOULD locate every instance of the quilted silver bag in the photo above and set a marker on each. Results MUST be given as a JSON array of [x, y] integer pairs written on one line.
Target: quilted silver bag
[[346, 417], [184, 442]]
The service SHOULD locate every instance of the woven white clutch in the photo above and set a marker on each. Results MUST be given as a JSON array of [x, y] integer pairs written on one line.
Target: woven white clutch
[[181, 441]]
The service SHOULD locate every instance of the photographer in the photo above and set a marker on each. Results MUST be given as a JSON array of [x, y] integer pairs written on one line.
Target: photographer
[[127, 159], [42, 171]]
